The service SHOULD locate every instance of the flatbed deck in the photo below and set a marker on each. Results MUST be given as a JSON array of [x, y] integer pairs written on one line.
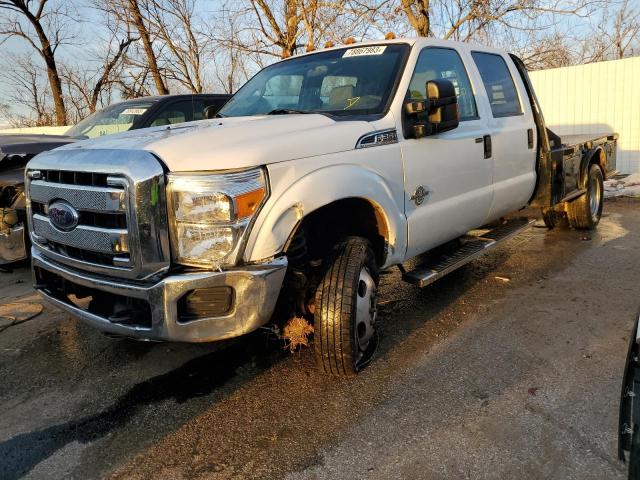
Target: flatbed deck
[[580, 138]]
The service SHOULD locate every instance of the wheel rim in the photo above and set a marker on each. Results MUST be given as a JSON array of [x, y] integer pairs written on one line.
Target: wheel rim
[[365, 309], [595, 197]]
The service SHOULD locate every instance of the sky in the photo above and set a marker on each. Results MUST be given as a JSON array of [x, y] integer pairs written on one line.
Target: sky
[[89, 33]]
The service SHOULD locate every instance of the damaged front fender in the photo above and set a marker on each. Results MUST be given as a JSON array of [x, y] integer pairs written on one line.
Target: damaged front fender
[[13, 230]]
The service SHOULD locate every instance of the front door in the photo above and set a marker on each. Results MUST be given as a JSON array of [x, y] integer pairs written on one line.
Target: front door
[[448, 180]]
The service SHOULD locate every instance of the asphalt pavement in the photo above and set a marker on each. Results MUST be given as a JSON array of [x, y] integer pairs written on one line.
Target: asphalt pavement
[[509, 368]]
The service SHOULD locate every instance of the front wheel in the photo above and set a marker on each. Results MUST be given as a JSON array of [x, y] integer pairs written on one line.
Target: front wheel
[[584, 213], [345, 337]]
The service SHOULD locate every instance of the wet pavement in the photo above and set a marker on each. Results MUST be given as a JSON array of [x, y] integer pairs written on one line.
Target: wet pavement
[[508, 368]]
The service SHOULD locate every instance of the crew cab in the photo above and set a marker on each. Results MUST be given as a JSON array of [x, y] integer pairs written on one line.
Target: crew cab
[[133, 114], [322, 171]]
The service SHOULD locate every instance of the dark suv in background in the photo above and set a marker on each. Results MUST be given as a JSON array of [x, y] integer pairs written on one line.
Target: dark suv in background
[[17, 150]]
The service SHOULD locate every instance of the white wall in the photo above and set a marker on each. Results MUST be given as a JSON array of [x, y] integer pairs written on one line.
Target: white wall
[[593, 98], [37, 130]]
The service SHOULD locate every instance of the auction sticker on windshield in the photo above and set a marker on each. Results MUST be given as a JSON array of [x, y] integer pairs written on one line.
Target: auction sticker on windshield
[[372, 50], [134, 111]]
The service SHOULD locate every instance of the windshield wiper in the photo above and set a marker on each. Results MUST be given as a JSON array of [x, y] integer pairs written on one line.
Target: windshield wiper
[[284, 111]]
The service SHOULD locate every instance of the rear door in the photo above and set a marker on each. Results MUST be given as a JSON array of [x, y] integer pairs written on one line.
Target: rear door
[[451, 168], [513, 132]]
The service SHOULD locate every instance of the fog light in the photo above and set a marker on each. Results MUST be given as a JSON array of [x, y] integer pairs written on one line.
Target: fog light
[[205, 303]]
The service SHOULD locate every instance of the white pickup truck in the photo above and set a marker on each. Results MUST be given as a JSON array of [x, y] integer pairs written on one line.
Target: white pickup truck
[[322, 171]]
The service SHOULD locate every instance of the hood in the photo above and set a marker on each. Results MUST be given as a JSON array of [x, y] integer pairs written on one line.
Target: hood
[[30, 144], [238, 142]]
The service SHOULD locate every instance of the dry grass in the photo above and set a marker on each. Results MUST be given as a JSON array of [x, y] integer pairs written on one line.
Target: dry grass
[[296, 333]]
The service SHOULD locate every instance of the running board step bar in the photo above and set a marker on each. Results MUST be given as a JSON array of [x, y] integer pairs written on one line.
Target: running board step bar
[[472, 247]]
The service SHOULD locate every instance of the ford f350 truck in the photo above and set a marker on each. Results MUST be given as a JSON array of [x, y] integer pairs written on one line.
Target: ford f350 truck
[[322, 171]]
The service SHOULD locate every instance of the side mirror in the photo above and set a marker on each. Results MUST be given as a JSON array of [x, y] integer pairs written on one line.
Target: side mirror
[[438, 113], [210, 111]]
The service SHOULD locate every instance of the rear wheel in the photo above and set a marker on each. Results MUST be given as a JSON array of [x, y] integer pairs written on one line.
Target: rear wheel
[[584, 213], [345, 337]]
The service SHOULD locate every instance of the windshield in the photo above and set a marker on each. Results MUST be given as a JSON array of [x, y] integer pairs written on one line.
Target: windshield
[[113, 119], [352, 81]]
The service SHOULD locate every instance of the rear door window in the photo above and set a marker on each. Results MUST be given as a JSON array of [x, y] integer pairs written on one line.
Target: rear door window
[[435, 63], [498, 83]]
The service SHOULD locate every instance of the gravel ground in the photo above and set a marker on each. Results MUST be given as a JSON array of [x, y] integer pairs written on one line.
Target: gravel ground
[[508, 368]]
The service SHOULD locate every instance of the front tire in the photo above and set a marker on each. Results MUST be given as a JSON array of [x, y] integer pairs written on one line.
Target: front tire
[[345, 337], [584, 213]]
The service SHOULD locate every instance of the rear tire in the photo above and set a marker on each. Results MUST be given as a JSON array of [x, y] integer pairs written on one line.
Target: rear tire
[[345, 337], [584, 213]]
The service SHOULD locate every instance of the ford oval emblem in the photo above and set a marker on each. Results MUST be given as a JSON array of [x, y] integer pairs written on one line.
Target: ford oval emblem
[[63, 216]]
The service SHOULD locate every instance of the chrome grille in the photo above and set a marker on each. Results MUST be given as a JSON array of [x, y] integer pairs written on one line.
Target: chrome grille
[[96, 199], [101, 240], [120, 205], [75, 178]]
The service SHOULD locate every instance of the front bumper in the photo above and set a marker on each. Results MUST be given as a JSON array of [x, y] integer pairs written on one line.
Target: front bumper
[[13, 246], [255, 291]]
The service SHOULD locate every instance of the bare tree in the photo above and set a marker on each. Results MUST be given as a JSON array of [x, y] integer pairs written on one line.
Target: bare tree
[[613, 34], [280, 28], [417, 13], [29, 93], [617, 39], [134, 83], [548, 51], [464, 20], [89, 88], [45, 30], [230, 59], [175, 24], [131, 14]]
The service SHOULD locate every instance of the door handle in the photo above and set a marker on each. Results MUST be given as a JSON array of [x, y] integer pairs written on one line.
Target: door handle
[[487, 146], [479, 140]]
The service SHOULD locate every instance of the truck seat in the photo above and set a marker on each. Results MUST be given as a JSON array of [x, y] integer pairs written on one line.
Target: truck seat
[[339, 96]]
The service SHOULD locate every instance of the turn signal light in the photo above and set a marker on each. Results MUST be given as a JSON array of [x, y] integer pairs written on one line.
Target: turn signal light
[[247, 203]]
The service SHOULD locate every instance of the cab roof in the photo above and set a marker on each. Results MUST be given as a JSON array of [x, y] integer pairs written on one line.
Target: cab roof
[[417, 41]]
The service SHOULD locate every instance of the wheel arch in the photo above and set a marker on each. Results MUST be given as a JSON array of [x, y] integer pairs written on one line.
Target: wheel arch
[[345, 217], [352, 198], [595, 156]]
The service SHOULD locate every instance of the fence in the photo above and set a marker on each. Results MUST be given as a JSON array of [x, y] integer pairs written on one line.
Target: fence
[[593, 98]]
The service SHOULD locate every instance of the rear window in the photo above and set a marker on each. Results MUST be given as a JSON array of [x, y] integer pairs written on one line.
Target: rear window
[[498, 83]]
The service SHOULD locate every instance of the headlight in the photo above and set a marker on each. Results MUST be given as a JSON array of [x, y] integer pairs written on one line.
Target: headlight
[[209, 214]]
